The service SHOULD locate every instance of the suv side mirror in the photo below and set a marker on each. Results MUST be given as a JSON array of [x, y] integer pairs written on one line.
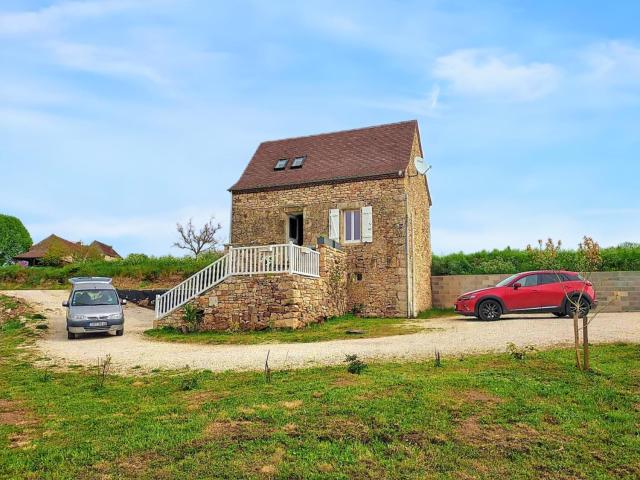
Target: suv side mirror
[[517, 285], [65, 304], [123, 301]]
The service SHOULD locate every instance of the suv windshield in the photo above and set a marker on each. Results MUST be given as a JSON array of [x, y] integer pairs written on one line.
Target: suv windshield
[[86, 298], [507, 280]]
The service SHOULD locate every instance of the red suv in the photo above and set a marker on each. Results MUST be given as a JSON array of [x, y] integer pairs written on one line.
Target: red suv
[[545, 291]]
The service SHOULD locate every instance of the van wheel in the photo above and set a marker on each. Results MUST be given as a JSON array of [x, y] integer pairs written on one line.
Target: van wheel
[[489, 310], [119, 333], [71, 336]]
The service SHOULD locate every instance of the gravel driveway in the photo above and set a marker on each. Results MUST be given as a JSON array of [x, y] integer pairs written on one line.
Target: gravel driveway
[[455, 335]]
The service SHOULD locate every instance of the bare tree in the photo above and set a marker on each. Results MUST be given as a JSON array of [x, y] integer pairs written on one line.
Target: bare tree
[[588, 260], [197, 242]]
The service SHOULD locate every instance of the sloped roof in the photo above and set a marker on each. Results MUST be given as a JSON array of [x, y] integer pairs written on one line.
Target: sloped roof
[[371, 152], [106, 249], [40, 249]]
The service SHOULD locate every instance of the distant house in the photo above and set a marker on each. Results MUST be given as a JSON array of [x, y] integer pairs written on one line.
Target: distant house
[[66, 248], [107, 250]]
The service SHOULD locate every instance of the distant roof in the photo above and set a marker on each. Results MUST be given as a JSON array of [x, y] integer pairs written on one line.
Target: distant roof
[[106, 249], [39, 250], [372, 152]]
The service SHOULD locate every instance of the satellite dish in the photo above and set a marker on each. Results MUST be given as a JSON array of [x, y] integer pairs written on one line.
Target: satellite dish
[[420, 165]]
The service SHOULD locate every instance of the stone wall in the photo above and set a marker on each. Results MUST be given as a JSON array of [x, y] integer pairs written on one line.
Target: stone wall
[[273, 300], [620, 291], [418, 203], [377, 271]]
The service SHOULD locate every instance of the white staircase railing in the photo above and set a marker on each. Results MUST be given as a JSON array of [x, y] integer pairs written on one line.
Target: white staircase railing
[[283, 258]]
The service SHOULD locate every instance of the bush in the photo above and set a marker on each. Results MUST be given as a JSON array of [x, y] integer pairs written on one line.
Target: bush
[[14, 238], [354, 364], [138, 267], [625, 257]]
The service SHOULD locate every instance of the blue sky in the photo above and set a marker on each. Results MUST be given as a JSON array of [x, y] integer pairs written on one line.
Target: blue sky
[[119, 118]]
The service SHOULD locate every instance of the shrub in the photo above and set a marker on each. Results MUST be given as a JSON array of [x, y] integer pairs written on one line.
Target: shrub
[[192, 315], [519, 353], [189, 383], [624, 257], [14, 238], [354, 364]]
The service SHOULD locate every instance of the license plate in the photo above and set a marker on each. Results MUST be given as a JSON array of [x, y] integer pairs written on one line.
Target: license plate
[[98, 324]]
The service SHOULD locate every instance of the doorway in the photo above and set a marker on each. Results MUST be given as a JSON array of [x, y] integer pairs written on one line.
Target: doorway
[[296, 234]]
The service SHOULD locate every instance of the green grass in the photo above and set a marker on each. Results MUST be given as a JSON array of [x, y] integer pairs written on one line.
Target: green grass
[[332, 329], [135, 271], [480, 417]]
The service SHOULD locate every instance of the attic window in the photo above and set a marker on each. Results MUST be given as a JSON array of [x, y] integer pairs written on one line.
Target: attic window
[[297, 162], [281, 164]]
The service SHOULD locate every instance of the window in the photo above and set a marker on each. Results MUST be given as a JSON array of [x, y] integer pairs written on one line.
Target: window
[[281, 164], [546, 278], [297, 162], [529, 281], [87, 298], [352, 226]]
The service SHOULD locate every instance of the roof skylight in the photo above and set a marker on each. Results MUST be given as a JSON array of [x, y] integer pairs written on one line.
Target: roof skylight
[[281, 164], [297, 162]]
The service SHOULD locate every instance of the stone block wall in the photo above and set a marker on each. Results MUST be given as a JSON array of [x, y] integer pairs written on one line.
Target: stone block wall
[[272, 300], [377, 275], [620, 291]]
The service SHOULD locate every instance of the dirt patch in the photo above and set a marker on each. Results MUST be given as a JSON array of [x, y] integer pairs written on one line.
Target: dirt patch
[[519, 438], [12, 413], [196, 400], [292, 405], [478, 396], [345, 429], [233, 430]]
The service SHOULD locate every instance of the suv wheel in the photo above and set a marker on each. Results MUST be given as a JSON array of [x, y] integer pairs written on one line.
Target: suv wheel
[[583, 307], [489, 310], [71, 336]]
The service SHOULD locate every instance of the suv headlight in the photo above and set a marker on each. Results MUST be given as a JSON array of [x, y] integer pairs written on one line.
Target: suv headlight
[[114, 316], [467, 297], [78, 316]]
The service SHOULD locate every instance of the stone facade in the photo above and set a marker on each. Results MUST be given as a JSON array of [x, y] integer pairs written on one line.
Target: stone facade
[[619, 291], [273, 300], [389, 276]]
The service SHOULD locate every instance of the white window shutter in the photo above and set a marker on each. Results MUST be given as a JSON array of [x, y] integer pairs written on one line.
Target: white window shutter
[[367, 224], [334, 224]]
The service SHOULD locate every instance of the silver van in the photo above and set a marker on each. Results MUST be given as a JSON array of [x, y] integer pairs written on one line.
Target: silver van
[[94, 306]]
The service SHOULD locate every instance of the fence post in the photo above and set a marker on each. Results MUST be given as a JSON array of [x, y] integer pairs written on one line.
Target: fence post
[[290, 257], [229, 260], [157, 305]]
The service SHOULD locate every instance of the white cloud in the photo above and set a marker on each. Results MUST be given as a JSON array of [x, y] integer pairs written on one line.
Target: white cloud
[[614, 63], [51, 17], [477, 72], [104, 60]]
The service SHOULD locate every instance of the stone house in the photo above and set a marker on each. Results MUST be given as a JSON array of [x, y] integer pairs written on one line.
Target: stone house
[[320, 225], [359, 188]]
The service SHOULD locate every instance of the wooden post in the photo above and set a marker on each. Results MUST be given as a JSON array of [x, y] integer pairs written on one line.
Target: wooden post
[[585, 342], [576, 333]]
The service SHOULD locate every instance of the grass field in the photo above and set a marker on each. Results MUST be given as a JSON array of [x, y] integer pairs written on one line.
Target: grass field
[[333, 329], [478, 417]]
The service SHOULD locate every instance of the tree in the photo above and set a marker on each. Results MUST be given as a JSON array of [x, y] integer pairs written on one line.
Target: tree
[[14, 238], [204, 240], [588, 260]]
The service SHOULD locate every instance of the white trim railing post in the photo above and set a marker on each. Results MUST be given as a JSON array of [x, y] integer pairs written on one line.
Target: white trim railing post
[[291, 253]]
